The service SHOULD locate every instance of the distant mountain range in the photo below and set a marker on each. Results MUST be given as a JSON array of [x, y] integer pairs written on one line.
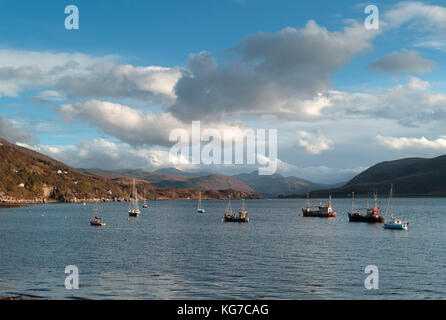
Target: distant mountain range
[[410, 177], [275, 185], [269, 186]]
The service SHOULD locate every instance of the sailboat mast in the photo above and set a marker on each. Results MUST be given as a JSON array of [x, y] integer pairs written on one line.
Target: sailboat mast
[[390, 201]]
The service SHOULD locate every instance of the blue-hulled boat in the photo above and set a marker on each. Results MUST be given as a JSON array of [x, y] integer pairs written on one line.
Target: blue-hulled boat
[[394, 224]]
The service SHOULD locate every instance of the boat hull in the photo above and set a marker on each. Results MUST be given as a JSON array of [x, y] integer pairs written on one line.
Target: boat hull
[[319, 214], [134, 213], [97, 224], [201, 211], [395, 227], [356, 217], [236, 219]]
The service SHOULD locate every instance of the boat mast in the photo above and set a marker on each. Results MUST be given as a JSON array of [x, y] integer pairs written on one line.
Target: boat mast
[[375, 197], [308, 200], [390, 201], [199, 200], [229, 208], [353, 202]]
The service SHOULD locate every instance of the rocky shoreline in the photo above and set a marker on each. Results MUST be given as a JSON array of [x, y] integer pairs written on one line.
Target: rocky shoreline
[[10, 202]]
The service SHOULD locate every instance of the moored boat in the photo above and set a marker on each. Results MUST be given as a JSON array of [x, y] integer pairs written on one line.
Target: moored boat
[[322, 212], [134, 209], [231, 217], [394, 224], [145, 205], [373, 215], [200, 208], [97, 221]]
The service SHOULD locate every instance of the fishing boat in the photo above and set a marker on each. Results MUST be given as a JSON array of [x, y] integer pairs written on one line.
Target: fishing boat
[[394, 224], [322, 211], [231, 217], [145, 205], [373, 215], [97, 221], [134, 209], [200, 208]]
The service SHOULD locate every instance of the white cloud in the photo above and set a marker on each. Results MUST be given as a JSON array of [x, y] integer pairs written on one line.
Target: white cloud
[[78, 75], [413, 144], [127, 124], [417, 15], [314, 143], [411, 104]]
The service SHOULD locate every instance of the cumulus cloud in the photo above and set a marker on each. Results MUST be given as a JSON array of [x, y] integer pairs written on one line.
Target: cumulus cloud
[[412, 144], [417, 15], [81, 76], [9, 132], [406, 61], [123, 122], [267, 73], [411, 104], [111, 80], [314, 143]]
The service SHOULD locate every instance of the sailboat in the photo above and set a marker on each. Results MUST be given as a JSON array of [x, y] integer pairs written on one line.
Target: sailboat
[[200, 208], [97, 221], [134, 209], [394, 223], [145, 205], [230, 217]]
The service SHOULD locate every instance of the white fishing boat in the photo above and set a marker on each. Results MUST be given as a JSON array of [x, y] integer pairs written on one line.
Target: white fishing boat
[[200, 208], [134, 209], [394, 224]]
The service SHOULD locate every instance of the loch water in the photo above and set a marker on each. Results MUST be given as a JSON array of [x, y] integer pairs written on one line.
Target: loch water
[[173, 252]]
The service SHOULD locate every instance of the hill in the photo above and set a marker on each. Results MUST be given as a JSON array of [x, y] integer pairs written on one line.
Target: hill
[[410, 177], [31, 177]]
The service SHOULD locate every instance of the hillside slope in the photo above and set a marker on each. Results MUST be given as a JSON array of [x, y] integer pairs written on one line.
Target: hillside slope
[[31, 177], [410, 177]]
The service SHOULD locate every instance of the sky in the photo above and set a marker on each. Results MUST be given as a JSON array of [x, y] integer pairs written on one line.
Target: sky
[[342, 97]]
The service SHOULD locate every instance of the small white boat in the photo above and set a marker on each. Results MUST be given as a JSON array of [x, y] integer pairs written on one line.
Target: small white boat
[[200, 208], [394, 224], [145, 205], [134, 209]]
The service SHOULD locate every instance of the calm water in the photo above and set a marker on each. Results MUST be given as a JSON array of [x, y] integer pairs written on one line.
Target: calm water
[[171, 252]]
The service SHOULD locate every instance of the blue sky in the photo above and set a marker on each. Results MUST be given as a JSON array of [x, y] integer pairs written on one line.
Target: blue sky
[[371, 112]]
